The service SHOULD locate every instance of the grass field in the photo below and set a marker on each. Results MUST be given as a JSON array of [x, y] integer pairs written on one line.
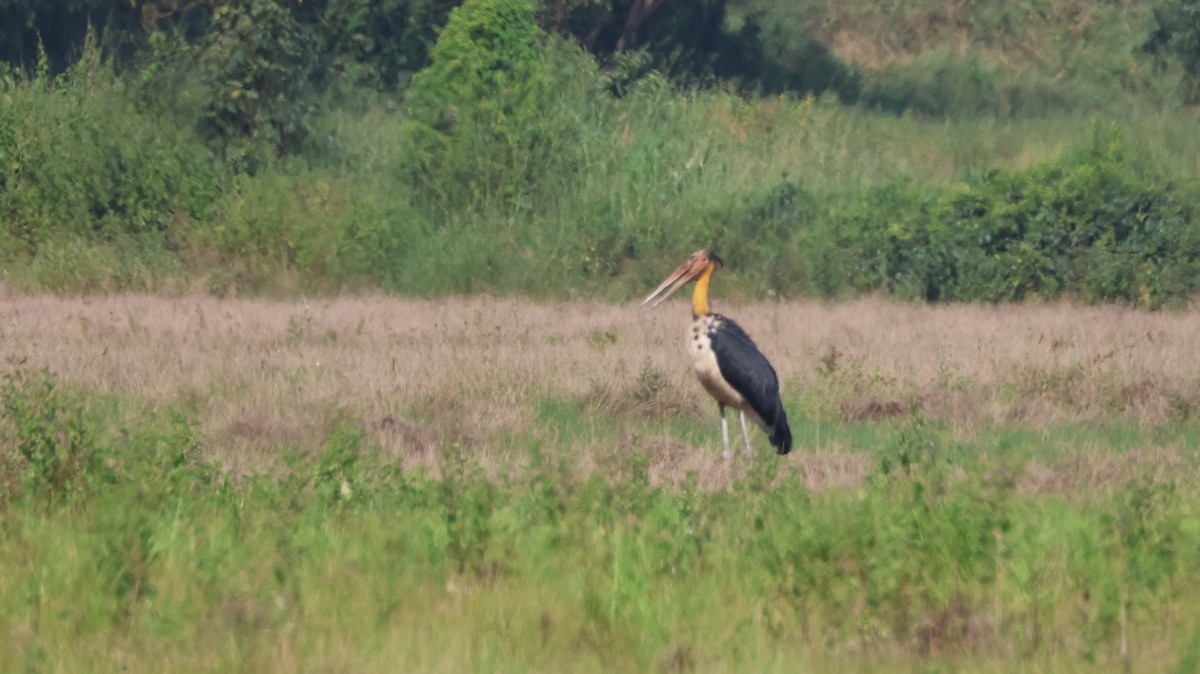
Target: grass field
[[494, 484]]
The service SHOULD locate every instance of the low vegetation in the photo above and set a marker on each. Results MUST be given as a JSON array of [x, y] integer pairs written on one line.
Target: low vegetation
[[198, 484]]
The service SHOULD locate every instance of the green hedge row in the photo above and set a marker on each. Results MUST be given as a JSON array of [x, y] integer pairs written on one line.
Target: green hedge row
[[1085, 224]]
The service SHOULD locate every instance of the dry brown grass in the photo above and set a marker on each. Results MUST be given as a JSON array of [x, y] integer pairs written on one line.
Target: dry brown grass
[[1101, 474], [261, 375]]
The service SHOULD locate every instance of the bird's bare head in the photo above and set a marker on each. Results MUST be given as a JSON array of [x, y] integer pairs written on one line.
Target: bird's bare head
[[690, 270]]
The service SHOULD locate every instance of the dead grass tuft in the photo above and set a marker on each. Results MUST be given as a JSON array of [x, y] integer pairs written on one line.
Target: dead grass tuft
[[261, 432], [666, 451], [871, 409], [243, 611], [961, 626], [1033, 411], [623, 402], [1102, 474], [677, 657], [831, 470], [413, 436], [964, 407]]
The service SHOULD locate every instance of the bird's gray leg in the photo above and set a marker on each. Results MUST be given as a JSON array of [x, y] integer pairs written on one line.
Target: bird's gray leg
[[727, 454], [745, 435]]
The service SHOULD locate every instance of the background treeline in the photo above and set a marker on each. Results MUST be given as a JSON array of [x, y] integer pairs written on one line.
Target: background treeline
[[930, 150]]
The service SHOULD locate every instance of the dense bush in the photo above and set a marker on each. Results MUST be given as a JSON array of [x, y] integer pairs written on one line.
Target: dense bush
[[1084, 224], [1175, 36], [283, 232], [876, 241], [486, 118], [255, 65], [375, 44], [82, 169]]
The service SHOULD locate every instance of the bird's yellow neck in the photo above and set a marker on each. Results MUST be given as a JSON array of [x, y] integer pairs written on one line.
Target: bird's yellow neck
[[700, 295]]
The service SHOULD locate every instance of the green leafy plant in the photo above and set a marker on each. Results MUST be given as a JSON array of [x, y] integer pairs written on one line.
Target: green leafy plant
[[1175, 36], [61, 455], [482, 115], [336, 478], [256, 64]]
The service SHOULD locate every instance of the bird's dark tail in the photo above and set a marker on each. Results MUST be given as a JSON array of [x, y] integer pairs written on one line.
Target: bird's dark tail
[[781, 433]]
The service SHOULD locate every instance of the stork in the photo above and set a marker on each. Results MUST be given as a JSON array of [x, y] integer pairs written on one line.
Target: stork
[[726, 361]]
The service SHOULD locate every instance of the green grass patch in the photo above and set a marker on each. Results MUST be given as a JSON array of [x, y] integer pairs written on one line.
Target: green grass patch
[[126, 550]]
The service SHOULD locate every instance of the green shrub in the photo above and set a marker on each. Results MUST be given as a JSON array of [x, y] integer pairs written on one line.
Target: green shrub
[[1085, 223], [377, 44], [485, 119], [81, 168], [336, 478], [283, 231], [255, 66], [58, 453], [876, 242], [1175, 36]]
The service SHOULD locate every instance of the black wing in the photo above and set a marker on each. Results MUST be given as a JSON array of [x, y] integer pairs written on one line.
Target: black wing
[[750, 374]]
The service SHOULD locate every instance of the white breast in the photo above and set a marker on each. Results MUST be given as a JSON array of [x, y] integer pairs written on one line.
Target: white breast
[[704, 362]]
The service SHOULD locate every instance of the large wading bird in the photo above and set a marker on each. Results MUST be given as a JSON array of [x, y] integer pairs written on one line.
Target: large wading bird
[[727, 363]]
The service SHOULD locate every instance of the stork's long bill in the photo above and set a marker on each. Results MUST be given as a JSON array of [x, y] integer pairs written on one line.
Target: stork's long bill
[[699, 265]]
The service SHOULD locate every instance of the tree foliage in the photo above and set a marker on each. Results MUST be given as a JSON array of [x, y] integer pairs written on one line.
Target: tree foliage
[[255, 63], [34, 29], [1176, 37], [482, 115]]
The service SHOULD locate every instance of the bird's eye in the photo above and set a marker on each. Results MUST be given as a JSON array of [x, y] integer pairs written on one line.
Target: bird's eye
[[692, 258]]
